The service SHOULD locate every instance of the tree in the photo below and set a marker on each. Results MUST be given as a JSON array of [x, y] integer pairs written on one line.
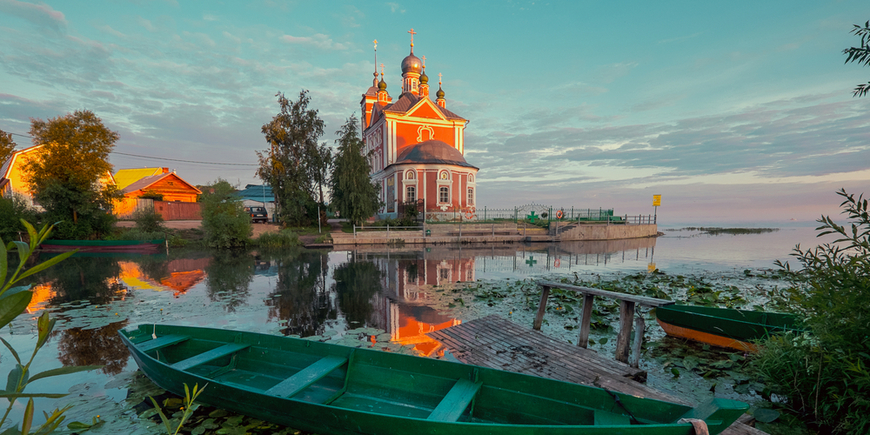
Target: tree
[[825, 374], [224, 220], [860, 54], [295, 165], [66, 179], [7, 145], [353, 192]]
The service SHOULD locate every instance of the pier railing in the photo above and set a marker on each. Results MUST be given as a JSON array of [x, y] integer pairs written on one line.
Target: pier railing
[[627, 303]]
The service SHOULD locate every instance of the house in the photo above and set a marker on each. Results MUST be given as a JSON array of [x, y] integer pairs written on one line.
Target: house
[[13, 177], [160, 182], [258, 195]]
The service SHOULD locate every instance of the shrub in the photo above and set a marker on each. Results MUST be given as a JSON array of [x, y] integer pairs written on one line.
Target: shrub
[[149, 221], [12, 211], [224, 220], [279, 239], [825, 376]]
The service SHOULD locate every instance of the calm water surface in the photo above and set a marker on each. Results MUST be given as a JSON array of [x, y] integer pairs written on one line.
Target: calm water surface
[[382, 298]]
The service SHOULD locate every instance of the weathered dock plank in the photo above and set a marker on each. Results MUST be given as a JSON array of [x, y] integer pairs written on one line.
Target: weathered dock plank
[[495, 342]]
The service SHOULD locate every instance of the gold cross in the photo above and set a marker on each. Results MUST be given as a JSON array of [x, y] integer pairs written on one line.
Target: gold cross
[[424, 61], [412, 32], [382, 70], [439, 79], [376, 44]]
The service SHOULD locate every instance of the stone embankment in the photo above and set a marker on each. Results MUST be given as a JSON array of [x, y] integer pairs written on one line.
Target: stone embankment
[[434, 234]]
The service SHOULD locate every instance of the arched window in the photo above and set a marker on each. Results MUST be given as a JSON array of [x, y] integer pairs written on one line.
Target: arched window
[[410, 175], [443, 175], [444, 194], [470, 178]]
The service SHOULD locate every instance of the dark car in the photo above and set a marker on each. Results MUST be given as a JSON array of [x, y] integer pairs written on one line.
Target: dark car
[[258, 214]]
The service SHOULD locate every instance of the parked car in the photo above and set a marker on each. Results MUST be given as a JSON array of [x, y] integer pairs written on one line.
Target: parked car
[[258, 214]]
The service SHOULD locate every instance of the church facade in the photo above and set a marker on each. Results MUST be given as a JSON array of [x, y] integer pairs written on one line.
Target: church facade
[[416, 145]]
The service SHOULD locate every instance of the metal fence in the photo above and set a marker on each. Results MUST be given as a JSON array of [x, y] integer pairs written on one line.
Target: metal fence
[[530, 213]]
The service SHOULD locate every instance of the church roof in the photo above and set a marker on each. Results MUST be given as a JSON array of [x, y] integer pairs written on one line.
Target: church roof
[[407, 101], [432, 151]]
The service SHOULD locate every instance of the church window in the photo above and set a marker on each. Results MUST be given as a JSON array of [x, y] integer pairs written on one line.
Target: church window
[[470, 196], [411, 194], [444, 194], [443, 176]]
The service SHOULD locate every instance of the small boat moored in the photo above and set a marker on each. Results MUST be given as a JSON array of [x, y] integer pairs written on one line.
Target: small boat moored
[[724, 327], [333, 389], [138, 246]]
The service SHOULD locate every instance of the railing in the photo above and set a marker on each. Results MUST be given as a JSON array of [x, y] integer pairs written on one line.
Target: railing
[[627, 303], [388, 228]]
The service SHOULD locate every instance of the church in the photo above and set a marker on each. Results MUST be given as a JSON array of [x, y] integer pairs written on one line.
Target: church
[[416, 145]]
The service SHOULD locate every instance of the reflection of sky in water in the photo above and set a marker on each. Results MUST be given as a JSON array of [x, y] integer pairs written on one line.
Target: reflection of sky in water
[[382, 297]]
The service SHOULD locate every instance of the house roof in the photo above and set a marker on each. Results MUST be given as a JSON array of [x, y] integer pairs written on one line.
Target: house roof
[[257, 192], [7, 165], [144, 183], [126, 177]]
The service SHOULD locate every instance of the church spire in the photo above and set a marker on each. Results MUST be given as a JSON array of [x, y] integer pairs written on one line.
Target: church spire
[[424, 80], [440, 94], [383, 96], [375, 80]]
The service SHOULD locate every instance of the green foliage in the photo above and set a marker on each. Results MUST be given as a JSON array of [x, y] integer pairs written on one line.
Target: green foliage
[[7, 146], [860, 54], [188, 408], [149, 221], [12, 211], [65, 179], [150, 194], [353, 192], [826, 375], [356, 282], [224, 220], [295, 165], [13, 301], [281, 239]]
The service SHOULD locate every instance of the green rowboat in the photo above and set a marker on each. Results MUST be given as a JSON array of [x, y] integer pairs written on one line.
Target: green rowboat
[[332, 389], [724, 327], [137, 246]]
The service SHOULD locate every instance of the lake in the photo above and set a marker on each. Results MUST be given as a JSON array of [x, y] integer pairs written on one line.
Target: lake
[[386, 298]]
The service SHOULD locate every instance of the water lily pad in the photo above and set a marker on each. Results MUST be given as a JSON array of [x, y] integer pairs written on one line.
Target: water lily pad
[[766, 415]]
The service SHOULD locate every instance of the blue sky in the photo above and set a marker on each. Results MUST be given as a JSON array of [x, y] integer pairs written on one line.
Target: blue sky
[[732, 111]]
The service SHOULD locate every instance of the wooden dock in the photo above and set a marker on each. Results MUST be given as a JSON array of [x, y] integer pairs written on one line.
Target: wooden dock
[[495, 342]]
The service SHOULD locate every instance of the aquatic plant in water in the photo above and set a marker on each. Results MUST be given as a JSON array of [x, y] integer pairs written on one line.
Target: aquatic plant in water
[[14, 301]]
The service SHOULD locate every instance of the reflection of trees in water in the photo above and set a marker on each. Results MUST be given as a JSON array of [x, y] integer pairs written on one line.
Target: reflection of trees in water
[[300, 295], [77, 278], [229, 275], [356, 282], [98, 347]]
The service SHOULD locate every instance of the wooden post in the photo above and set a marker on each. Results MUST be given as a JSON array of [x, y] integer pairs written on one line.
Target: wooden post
[[586, 321], [626, 313], [639, 329], [542, 308]]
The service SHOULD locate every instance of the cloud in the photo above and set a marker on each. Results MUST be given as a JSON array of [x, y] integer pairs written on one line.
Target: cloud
[[395, 7], [37, 14], [318, 40]]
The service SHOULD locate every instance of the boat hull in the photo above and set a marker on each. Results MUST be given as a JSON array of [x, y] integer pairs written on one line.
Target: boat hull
[[382, 393], [100, 246], [723, 327]]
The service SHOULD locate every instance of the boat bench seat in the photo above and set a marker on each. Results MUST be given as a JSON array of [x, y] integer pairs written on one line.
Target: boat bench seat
[[603, 418], [227, 349], [159, 343], [457, 399], [304, 378]]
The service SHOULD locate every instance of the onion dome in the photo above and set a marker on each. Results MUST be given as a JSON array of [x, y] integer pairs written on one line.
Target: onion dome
[[412, 64], [440, 93], [382, 85], [424, 79], [432, 152]]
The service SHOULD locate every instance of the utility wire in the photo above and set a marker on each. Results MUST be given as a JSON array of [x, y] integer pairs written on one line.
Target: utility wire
[[164, 158]]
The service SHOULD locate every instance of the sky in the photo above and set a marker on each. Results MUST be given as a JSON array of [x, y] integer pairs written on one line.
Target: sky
[[734, 112]]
